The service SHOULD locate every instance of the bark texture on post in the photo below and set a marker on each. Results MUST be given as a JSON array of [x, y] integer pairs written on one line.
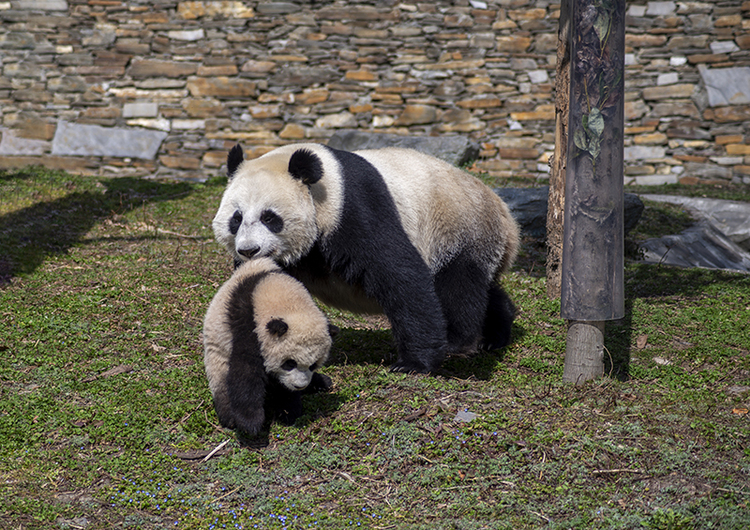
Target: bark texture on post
[[556, 200], [584, 352]]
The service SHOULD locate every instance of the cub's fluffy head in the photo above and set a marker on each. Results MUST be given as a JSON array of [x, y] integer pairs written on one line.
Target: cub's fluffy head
[[294, 335], [262, 319], [277, 205], [292, 352]]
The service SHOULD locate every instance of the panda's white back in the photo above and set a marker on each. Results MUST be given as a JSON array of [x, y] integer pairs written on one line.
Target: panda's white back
[[444, 209]]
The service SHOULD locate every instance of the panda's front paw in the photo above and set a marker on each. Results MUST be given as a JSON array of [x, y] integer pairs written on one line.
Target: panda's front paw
[[319, 383], [289, 408], [409, 368], [250, 422]]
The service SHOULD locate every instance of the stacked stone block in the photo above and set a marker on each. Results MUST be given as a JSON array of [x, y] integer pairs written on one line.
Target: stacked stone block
[[167, 87]]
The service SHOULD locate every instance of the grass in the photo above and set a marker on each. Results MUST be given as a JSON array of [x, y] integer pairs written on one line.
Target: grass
[[106, 418]]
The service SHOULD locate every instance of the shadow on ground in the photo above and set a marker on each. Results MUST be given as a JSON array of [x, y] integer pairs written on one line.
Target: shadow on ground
[[643, 281], [31, 234]]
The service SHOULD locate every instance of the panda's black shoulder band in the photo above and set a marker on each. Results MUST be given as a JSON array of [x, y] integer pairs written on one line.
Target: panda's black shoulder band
[[306, 166], [234, 159]]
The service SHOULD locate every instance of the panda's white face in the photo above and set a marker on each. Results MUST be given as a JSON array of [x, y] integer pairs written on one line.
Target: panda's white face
[[294, 347], [295, 376], [265, 213]]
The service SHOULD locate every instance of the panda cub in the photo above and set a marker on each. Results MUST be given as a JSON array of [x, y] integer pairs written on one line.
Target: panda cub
[[386, 230], [263, 339]]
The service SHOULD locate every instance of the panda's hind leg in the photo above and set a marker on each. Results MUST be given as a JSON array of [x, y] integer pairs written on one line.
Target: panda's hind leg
[[498, 320], [462, 287]]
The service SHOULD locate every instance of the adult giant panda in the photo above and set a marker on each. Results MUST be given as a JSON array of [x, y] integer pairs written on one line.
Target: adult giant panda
[[263, 338], [386, 230]]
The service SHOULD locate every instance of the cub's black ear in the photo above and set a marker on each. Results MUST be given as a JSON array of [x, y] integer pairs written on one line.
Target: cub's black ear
[[306, 166], [277, 327], [333, 330], [234, 159]]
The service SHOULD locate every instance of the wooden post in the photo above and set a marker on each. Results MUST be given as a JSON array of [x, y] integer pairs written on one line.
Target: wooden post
[[584, 351], [592, 279]]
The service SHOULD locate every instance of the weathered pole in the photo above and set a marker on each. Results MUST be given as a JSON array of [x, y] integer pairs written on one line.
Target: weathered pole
[[592, 282], [556, 196]]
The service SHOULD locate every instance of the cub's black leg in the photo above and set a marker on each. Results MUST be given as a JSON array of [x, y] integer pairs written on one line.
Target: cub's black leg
[[319, 383], [282, 403], [246, 390]]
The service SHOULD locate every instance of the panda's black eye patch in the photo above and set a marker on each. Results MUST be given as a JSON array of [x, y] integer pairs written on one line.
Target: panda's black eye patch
[[272, 221], [235, 222], [289, 365], [314, 367]]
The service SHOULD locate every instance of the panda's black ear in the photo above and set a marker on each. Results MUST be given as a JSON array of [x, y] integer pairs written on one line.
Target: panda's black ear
[[234, 159], [306, 166], [277, 327]]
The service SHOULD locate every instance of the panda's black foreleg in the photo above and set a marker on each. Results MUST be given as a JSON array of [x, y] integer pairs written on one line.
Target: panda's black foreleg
[[390, 269], [319, 383], [403, 288], [283, 404], [417, 324], [499, 319], [246, 389], [462, 287]]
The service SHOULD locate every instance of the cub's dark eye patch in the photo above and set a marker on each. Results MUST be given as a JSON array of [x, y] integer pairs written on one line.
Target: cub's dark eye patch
[[289, 365], [235, 222], [272, 221]]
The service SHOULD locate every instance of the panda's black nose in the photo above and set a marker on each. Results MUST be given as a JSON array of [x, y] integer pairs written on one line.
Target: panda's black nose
[[249, 252]]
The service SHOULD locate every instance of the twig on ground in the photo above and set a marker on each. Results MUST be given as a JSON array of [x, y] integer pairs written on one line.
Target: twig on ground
[[235, 490], [216, 450], [622, 470]]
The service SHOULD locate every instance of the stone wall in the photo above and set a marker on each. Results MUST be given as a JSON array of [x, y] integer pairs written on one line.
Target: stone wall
[[167, 87]]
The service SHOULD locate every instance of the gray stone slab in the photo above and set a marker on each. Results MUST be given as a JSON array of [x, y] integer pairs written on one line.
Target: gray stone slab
[[726, 86], [644, 152], [94, 140], [277, 8], [464, 416], [190, 35], [456, 150], [140, 109], [731, 218], [528, 207], [724, 46], [43, 5], [656, 9], [12, 145]]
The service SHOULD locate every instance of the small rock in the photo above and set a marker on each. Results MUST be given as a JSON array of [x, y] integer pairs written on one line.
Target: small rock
[[456, 150], [465, 416]]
